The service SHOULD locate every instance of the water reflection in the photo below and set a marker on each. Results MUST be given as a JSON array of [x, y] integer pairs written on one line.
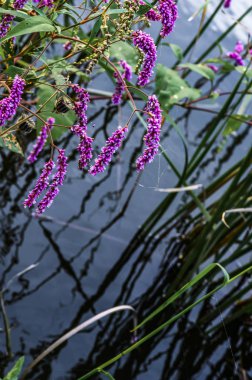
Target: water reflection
[[93, 254]]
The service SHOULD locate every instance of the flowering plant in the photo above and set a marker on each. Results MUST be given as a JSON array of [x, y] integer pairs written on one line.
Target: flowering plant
[[47, 86]]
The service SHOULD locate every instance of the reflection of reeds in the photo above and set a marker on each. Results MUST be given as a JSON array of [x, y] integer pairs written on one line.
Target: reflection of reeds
[[187, 231]]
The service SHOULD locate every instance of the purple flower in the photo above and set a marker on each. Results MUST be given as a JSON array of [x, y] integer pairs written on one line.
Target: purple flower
[[214, 68], [57, 181], [239, 47], [152, 136], [152, 15], [19, 4], [41, 140], [127, 74], [41, 184], [169, 13], [68, 45], [9, 105], [85, 150], [236, 54], [146, 44], [112, 144], [5, 24], [227, 3], [80, 108], [45, 3], [236, 57]]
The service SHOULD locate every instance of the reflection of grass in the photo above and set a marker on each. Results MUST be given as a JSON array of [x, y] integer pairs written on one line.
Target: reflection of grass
[[215, 223]]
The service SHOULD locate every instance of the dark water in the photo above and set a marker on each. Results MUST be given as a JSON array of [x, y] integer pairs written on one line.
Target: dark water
[[86, 266]]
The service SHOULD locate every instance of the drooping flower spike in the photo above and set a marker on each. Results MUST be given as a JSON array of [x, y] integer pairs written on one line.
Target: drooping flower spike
[[152, 136], [169, 13], [5, 24], [127, 74], [9, 105], [41, 184], [107, 152], [146, 44], [57, 181], [80, 129], [41, 140]]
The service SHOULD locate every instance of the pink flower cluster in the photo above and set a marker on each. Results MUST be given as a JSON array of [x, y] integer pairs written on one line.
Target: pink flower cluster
[[236, 54], [57, 181], [146, 44], [5, 24], [85, 144], [41, 140], [107, 152], [45, 3], [9, 105], [152, 136], [169, 13], [43, 184], [127, 74]]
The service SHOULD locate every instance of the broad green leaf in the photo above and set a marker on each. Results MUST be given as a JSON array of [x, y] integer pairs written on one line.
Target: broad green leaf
[[10, 142], [233, 124], [68, 119], [19, 14], [30, 25], [170, 88], [122, 50], [203, 70], [16, 370], [176, 49], [188, 92]]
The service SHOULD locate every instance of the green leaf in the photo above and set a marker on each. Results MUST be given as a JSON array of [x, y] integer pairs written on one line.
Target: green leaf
[[95, 29], [176, 49], [19, 14], [30, 25], [201, 69], [16, 370], [68, 119], [170, 88], [13, 70], [10, 142], [109, 12], [187, 92], [234, 123], [122, 50]]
